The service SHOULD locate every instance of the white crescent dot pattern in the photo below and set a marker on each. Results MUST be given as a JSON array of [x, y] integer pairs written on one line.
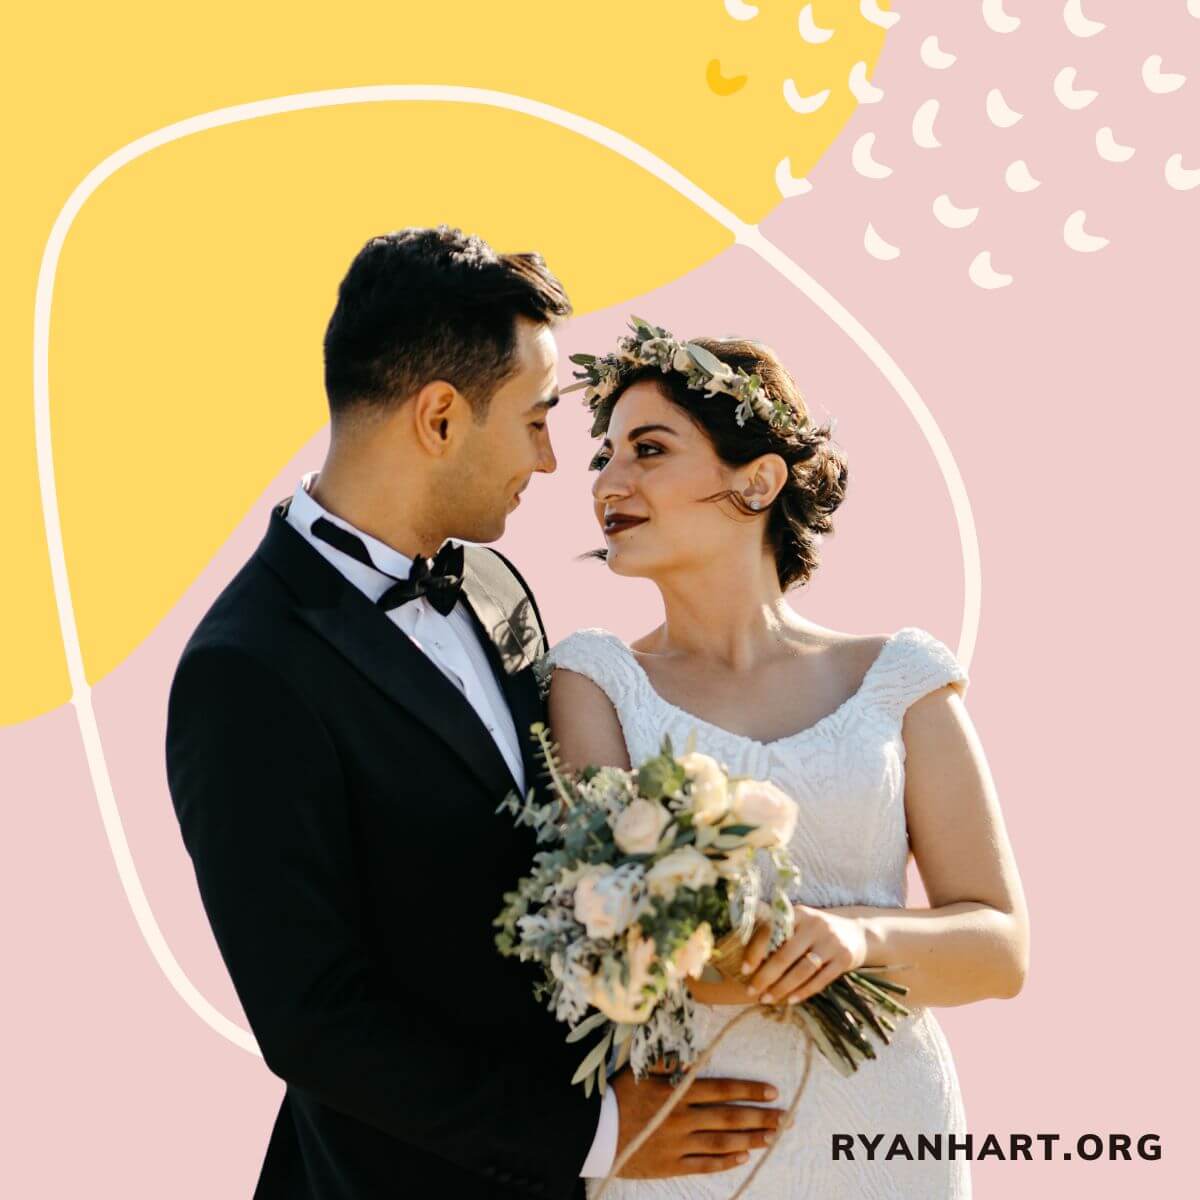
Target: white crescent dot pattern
[[1021, 142]]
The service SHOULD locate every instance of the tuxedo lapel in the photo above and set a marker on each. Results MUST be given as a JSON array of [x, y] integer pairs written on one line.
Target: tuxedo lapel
[[520, 690], [364, 635], [512, 630], [512, 640]]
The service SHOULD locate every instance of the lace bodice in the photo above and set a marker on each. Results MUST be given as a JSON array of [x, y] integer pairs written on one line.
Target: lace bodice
[[846, 772]]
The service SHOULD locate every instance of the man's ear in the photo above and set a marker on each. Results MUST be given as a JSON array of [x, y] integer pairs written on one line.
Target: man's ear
[[438, 411]]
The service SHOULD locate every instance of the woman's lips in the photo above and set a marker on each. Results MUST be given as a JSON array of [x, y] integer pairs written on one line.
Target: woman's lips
[[620, 524]]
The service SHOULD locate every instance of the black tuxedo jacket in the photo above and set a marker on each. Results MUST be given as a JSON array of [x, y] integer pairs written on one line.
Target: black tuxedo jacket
[[337, 795]]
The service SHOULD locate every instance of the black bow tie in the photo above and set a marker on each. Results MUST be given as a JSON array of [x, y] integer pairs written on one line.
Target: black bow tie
[[440, 582]]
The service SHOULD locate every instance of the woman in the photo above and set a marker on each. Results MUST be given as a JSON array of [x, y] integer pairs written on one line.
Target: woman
[[713, 483]]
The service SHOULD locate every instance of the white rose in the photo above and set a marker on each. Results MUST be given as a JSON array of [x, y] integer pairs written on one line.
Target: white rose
[[626, 1001], [604, 902], [691, 957], [734, 862], [759, 803], [639, 828], [685, 867], [710, 790], [683, 360]]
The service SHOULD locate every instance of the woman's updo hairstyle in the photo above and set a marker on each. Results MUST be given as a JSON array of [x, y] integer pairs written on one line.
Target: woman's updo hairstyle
[[817, 468]]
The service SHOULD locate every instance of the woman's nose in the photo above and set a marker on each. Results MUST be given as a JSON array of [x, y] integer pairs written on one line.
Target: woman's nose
[[610, 484]]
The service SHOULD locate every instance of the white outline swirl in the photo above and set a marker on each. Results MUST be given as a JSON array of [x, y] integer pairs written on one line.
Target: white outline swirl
[[745, 235]]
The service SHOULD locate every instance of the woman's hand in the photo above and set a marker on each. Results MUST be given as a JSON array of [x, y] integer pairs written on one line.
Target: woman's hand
[[793, 973], [727, 991]]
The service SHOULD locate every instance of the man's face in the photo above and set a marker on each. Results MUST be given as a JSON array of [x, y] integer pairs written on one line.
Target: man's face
[[500, 455]]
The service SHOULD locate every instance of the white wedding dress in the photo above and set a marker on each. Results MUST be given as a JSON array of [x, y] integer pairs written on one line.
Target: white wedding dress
[[846, 773]]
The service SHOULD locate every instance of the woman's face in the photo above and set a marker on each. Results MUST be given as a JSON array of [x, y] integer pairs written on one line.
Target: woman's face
[[654, 469]]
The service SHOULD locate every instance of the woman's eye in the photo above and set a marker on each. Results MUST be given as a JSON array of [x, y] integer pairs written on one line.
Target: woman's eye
[[538, 425], [600, 461]]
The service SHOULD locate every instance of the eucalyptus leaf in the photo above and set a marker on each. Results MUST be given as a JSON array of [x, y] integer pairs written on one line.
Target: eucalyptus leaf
[[704, 359], [623, 1052], [602, 416], [727, 843], [594, 1056], [737, 831], [584, 1028], [667, 841]]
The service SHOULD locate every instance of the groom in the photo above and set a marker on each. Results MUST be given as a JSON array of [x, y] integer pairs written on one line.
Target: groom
[[342, 726]]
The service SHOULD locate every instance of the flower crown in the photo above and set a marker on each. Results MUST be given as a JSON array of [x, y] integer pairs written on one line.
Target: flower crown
[[653, 346]]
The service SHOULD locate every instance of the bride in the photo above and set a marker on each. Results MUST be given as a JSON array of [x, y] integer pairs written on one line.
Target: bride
[[718, 489]]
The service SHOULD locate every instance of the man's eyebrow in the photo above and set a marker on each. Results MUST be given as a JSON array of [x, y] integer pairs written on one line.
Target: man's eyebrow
[[546, 404]]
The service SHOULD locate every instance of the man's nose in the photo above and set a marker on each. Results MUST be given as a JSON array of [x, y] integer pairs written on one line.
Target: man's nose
[[546, 459]]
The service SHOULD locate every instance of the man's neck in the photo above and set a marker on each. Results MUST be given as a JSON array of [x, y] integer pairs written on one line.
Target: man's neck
[[350, 495]]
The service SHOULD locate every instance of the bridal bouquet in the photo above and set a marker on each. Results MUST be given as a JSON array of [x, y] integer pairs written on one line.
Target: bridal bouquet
[[649, 877]]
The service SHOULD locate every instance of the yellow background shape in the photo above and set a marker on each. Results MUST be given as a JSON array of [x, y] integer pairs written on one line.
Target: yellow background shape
[[193, 288]]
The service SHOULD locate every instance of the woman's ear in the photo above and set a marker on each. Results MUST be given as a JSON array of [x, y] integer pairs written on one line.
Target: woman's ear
[[763, 480]]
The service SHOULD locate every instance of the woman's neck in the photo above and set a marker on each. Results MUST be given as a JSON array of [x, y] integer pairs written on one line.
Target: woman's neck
[[734, 619]]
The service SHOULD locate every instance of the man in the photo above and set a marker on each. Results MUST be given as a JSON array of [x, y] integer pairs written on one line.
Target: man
[[342, 726]]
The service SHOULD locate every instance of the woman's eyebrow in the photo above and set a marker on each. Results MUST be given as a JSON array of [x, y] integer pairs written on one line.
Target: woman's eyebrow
[[651, 429], [634, 435]]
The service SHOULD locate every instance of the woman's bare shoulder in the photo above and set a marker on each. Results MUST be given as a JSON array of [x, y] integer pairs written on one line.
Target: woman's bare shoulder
[[584, 722]]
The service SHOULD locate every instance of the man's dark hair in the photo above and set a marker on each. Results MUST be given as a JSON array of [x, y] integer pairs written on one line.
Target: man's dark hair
[[424, 304]]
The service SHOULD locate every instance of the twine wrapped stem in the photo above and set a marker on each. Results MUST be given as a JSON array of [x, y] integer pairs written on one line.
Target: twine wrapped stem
[[677, 1096]]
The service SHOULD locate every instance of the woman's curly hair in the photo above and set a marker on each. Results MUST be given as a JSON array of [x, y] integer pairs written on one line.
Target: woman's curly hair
[[817, 468]]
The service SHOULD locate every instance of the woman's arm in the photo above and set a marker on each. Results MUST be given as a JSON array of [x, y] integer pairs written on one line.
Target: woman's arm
[[585, 725], [973, 943]]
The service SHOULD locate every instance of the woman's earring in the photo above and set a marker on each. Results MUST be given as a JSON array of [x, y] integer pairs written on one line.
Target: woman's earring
[[755, 505]]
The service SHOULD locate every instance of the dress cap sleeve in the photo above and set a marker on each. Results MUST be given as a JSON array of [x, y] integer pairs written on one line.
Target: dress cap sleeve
[[598, 655], [917, 663]]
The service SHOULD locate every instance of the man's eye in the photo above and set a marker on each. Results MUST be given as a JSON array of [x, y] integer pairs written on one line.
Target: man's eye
[[538, 425]]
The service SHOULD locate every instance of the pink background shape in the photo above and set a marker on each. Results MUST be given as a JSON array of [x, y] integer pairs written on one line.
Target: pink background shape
[[1068, 399]]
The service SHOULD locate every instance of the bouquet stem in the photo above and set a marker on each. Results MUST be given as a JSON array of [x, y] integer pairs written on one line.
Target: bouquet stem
[[836, 1011]]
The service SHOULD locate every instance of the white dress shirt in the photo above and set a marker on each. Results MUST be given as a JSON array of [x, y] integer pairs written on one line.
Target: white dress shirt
[[452, 644]]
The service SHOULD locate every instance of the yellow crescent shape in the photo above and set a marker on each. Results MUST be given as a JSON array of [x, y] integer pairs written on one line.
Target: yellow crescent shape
[[721, 85]]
